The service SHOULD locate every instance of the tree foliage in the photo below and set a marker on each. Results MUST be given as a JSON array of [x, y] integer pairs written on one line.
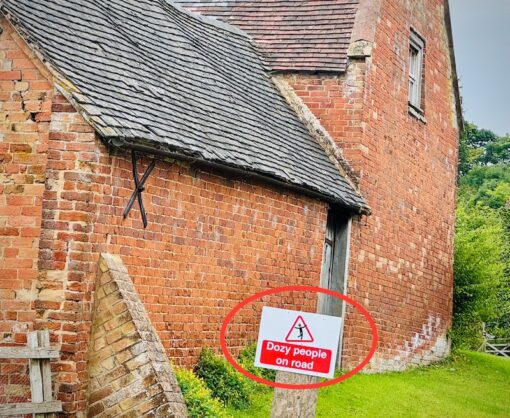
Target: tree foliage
[[479, 271], [481, 147], [482, 242]]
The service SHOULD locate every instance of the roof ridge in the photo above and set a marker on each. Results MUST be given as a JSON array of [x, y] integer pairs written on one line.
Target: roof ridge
[[291, 35], [217, 24], [204, 19]]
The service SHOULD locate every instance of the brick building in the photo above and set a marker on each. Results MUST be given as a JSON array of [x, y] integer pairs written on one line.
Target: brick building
[[295, 142]]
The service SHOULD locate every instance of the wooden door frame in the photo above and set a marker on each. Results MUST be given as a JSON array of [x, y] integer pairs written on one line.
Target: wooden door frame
[[340, 256]]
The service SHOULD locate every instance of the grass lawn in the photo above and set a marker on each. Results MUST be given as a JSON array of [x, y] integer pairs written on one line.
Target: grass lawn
[[469, 385]]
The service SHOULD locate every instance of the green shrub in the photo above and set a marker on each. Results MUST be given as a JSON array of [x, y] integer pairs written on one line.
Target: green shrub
[[479, 272], [247, 359], [198, 397], [225, 383]]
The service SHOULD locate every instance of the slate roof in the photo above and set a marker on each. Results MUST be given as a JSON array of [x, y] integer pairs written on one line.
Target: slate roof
[[148, 72], [305, 35]]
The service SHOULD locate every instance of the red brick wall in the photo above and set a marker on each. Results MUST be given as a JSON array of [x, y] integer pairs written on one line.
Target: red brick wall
[[211, 242], [338, 102], [401, 256], [25, 98]]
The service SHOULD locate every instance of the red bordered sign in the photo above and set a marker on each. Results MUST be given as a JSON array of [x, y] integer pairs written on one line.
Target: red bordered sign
[[298, 342]]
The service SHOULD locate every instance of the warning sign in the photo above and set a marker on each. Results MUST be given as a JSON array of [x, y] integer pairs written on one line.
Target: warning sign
[[299, 332], [298, 342]]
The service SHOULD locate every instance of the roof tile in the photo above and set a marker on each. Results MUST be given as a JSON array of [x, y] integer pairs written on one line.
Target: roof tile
[[280, 26]]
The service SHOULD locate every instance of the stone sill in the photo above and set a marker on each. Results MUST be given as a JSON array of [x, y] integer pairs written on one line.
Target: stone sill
[[417, 113]]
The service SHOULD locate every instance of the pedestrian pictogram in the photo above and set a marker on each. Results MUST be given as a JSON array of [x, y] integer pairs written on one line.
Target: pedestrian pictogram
[[298, 342], [299, 332]]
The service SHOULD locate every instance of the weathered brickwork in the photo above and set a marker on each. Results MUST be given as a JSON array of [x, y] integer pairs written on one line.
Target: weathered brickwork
[[213, 240], [401, 256], [25, 98], [338, 102], [210, 242], [128, 369]]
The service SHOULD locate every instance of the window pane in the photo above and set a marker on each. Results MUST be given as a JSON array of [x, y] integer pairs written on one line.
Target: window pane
[[413, 58], [415, 71]]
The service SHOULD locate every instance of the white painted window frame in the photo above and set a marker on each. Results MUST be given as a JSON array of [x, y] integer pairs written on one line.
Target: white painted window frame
[[416, 71]]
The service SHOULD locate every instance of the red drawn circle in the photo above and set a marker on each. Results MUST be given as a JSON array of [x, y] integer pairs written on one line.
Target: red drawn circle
[[239, 368]]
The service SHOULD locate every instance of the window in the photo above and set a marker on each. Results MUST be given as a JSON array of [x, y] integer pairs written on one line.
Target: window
[[416, 55]]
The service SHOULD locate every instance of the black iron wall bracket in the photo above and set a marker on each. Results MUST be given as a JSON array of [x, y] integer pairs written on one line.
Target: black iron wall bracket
[[139, 187]]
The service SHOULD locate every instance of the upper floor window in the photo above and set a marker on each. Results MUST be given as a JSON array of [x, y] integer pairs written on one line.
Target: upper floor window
[[416, 55]]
